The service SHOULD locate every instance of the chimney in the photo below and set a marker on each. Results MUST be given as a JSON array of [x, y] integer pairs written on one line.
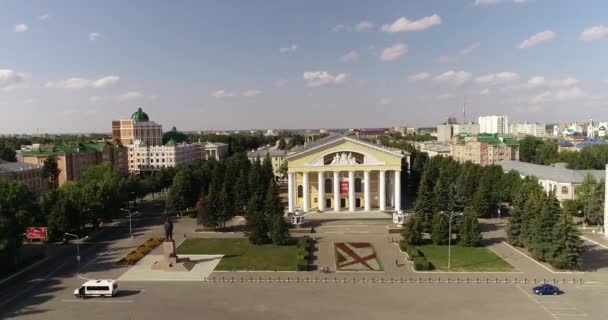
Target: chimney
[[606, 203]]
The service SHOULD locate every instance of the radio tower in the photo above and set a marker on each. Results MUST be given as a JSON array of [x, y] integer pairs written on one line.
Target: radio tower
[[464, 110]]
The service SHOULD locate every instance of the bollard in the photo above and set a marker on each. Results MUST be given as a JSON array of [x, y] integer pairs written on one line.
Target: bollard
[[506, 280], [581, 281], [354, 281], [382, 279], [458, 280], [468, 280], [487, 280], [554, 281], [410, 279], [477, 279], [420, 280], [525, 280], [401, 279], [372, 280]]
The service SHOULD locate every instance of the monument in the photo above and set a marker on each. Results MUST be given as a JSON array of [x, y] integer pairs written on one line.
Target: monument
[[170, 261]]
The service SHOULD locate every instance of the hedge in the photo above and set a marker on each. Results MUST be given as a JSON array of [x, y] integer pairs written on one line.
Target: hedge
[[421, 264], [303, 253], [138, 253]]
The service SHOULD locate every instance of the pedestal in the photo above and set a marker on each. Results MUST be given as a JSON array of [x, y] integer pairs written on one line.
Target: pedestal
[[169, 253]]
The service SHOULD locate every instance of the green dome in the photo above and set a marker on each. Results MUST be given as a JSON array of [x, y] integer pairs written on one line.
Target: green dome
[[140, 115], [174, 136]]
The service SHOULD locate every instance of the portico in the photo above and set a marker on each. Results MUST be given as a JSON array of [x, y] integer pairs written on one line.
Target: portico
[[340, 173]]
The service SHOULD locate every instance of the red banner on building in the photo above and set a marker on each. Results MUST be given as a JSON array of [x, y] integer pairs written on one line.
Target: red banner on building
[[343, 187], [35, 233]]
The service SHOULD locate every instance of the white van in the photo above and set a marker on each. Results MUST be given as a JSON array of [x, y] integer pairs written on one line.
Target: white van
[[97, 288]]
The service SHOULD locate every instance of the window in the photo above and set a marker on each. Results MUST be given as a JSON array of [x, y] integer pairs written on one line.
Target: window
[[358, 185], [300, 191], [329, 187], [564, 190], [97, 288]]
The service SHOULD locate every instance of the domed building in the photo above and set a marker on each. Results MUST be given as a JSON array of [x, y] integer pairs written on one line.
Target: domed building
[[138, 128], [174, 136]]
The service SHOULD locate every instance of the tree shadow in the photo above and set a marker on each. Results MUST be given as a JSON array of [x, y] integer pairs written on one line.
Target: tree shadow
[[595, 258]]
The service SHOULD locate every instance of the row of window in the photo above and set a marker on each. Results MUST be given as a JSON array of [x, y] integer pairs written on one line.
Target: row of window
[[329, 187]]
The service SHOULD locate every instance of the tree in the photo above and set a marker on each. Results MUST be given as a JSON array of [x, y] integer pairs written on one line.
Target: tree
[[567, 244], [541, 240], [182, 193], [241, 194], [282, 144], [441, 232], [279, 230], [8, 154], [480, 204], [283, 169], [51, 171], [470, 235], [425, 205], [411, 231], [258, 228], [272, 202], [205, 217]]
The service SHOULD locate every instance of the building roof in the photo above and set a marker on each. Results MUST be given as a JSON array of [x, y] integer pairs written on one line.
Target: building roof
[[262, 152], [52, 150], [555, 173], [175, 136], [140, 115], [334, 138], [214, 144], [17, 166]]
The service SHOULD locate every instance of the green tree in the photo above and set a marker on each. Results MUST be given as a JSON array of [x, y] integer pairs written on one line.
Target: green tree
[[480, 205], [8, 154], [441, 232], [470, 234], [182, 193], [272, 202], [282, 144], [425, 205], [51, 171], [258, 228], [241, 194], [411, 231], [283, 169], [567, 246], [541, 240], [279, 232]]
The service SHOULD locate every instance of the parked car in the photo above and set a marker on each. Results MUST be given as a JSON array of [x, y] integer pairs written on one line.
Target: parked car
[[546, 289]]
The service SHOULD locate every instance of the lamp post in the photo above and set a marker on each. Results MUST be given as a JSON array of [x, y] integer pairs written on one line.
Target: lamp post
[[451, 215], [130, 221], [77, 247]]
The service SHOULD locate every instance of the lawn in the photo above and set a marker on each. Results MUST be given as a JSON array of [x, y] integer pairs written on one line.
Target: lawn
[[465, 259], [240, 254]]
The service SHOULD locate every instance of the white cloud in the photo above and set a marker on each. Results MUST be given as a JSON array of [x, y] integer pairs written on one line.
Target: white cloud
[[403, 24], [94, 98], [321, 78], [537, 81], [445, 96], [364, 25], [281, 82], [222, 94], [393, 52], [594, 33], [538, 38], [342, 27], [81, 83], [420, 76], [21, 27], [385, 101], [574, 93], [497, 78], [455, 78], [462, 53], [10, 79], [128, 96], [289, 50], [94, 36], [484, 92], [251, 93], [352, 56], [44, 16], [30, 101], [490, 2]]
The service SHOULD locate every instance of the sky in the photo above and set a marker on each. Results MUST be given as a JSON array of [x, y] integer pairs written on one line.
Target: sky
[[74, 66]]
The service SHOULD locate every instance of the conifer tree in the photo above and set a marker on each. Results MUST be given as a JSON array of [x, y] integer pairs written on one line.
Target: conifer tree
[[203, 217], [515, 226], [241, 195], [258, 228], [411, 232], [441, 232], [541, 240], [424, 206], [272, 202], [480, 204], [532, 208], [567, 244], [279, 232], [470, 235], [441, 193]]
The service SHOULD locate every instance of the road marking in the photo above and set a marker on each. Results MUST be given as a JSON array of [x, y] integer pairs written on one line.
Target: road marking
[[570, 314], [31, 286], [96, 301], [102, 254], [573, 308], [537, 302], [595, 242], [540, 264]]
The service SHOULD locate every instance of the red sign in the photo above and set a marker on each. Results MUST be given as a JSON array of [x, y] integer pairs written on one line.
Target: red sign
[[35, 233], [343, 187]]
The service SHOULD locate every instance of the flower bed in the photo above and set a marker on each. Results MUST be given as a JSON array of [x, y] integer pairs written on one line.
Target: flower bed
[[356, 256], [138, 253]]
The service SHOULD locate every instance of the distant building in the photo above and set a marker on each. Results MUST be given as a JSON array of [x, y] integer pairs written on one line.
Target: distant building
[[576, 143], [483, 149], [73, 160], [556, 178], [146, 159], [535, 129], [138, 128], [434, 148], [216, 150], [493, 124], [26, 173], [446, 131], [277, 157]]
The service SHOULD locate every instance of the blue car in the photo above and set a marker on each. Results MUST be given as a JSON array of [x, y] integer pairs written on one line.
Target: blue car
[[546, 289]]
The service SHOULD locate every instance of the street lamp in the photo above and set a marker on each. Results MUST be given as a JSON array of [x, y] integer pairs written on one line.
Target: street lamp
[[451, 215], [130, 223], [77, 247]]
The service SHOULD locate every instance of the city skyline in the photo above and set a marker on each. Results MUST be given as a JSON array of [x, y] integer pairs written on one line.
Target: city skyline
[[228, 65]]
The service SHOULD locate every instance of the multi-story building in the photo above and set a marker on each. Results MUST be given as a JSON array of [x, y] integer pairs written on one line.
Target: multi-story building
[[556, 178], [535, 129], [277, 157], [26, 173], [146, 159], [446, 131], [138, 128], [216, 150], [483, 149], [73, 160], [493, 124], [434, 148]]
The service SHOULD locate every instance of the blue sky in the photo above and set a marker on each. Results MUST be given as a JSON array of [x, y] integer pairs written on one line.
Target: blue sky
[[73, 66]]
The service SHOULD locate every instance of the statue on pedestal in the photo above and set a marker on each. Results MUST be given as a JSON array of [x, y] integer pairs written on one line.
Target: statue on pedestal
[[168, 230]]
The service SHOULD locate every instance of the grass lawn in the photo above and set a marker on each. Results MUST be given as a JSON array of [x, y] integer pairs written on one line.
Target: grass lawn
[[240, 254], [465, 259]]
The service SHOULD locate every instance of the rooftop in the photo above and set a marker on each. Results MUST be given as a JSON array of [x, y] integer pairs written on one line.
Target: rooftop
[[556, 173], [262, 152], [17, 166]]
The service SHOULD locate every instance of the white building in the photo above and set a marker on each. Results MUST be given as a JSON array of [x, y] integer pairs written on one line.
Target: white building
[[144, 158], [493, 124], [445, 132], [535, 129]]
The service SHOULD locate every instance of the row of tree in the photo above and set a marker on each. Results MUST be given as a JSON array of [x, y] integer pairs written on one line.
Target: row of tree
[[545, 152], [539, 224]]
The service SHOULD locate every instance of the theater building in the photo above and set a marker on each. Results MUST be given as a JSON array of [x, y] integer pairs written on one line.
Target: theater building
[[341, 173]]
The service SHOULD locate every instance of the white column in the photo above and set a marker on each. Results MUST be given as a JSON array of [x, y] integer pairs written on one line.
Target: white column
[[351, 191], [397, 190], [290, 193], [382, 190], [306, 191], [366, 191], [321, 188], [606, 204], [336, 190]]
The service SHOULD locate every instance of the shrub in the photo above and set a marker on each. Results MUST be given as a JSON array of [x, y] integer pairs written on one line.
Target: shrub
[[302, 266], [421, 264], [403, 245]]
